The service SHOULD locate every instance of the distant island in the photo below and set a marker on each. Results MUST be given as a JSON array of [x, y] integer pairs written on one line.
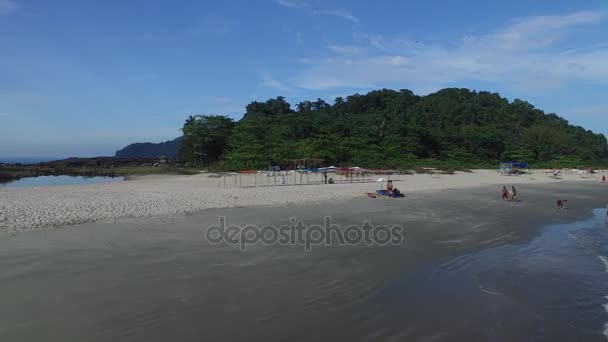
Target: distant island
[[169, 149]]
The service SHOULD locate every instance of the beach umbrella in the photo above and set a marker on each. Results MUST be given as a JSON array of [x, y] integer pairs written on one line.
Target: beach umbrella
[[381, 180]]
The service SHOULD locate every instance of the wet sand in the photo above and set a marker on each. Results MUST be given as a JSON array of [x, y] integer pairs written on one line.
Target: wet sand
[[157, 279]]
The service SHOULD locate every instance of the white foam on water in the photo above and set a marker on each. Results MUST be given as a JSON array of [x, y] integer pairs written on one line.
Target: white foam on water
[[604, 260], [493, 293], [606, 325]]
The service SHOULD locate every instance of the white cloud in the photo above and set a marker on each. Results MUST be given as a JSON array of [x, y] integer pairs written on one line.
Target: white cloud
[[7, 6], [523, 55], [296, 4], [341, 14], [268, 81], [303, 5], [542, 31]]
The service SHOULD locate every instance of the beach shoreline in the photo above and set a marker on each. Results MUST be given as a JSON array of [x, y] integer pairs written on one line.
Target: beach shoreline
[[46, 207]]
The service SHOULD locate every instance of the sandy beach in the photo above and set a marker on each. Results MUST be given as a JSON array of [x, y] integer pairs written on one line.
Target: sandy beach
[[43, 207], [472, 267]]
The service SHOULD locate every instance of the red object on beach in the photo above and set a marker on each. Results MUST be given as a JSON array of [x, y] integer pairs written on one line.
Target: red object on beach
[[247, 171], [370, 195]]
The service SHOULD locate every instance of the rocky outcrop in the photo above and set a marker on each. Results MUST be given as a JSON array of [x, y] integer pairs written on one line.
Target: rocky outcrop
[[6, 177]]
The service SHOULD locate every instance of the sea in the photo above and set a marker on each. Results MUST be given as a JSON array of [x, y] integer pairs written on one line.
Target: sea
[[552, 288]]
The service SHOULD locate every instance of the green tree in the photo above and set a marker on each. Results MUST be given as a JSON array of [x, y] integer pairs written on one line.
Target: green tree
[[205, 138]]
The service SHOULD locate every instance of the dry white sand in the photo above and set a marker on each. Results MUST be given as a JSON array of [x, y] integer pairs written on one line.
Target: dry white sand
[[42, 207]]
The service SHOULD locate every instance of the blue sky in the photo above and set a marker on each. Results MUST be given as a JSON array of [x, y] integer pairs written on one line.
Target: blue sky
[[84, 78]]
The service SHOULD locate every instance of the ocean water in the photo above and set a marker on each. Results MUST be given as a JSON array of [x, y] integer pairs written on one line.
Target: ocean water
[[58, 180], [552, 288]]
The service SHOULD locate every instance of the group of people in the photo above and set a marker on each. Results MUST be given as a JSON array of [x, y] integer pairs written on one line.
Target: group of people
[[505, 193]]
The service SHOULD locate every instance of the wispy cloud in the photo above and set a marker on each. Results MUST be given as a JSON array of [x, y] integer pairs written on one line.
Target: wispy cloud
[[268, 81], [341, 14], [524, 54], [314, 10], [7, 6], [296, 4]]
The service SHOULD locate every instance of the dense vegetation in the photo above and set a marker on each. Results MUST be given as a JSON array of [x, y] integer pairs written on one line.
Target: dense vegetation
[[168, 149], [393, 129], [205, 139]]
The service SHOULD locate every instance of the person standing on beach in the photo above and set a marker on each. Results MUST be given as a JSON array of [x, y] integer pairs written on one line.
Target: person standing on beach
[[505, 193], [513, 194], [324, 176]]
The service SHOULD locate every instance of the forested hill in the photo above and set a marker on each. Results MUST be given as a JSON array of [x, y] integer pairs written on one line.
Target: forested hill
[[151, 150], [387, 128]]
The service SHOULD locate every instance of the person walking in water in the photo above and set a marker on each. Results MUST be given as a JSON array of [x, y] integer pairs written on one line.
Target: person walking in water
[[604, 179], [513, 193], [505, 193]]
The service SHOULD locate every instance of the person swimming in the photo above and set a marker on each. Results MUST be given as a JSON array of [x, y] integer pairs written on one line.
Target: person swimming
[[561, 203], [389, 187]]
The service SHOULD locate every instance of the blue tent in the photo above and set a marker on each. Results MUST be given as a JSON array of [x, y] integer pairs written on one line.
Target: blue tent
[[513, 165]]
